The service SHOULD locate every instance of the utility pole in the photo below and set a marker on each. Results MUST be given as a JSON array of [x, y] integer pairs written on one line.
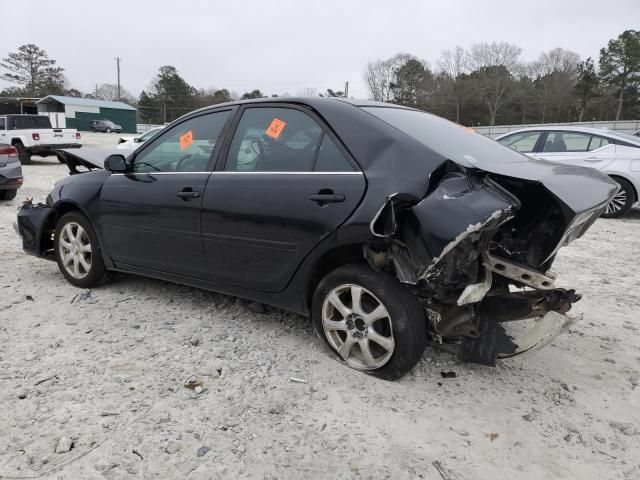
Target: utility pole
[[118, 65], [96, 92], [346, 89]]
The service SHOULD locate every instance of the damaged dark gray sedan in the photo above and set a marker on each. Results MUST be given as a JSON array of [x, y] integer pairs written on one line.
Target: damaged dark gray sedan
[[391, 227]]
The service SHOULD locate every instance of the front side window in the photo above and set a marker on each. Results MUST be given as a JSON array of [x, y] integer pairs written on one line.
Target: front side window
[[558, 142], [274, 140], [186, 147], [521, 142], [146, 136], [2, 124]]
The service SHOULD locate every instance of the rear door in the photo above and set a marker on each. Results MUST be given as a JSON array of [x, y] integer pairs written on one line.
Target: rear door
[[284, 183], [576, 148], [150, 217]]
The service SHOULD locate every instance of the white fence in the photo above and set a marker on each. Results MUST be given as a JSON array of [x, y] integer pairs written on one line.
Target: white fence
[[625, 126], [145, 127]]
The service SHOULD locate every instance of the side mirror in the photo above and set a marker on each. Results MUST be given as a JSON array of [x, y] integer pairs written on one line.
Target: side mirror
[[115, 163]]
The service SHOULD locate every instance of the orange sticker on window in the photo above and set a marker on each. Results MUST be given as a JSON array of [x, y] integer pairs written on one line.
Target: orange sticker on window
[[186, 139], [275, 128]]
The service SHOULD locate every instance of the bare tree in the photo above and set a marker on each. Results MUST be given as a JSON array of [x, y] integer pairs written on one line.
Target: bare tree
[[109, 91], [308, 92], [381, 74], [492, 65], [452, 64]]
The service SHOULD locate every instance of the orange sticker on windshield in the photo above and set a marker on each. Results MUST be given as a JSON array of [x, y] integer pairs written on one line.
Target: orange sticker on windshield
[[275, 128], [186, 139]]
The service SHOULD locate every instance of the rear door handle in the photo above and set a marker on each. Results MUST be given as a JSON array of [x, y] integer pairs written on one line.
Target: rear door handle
[[327, 198], [188, 193]]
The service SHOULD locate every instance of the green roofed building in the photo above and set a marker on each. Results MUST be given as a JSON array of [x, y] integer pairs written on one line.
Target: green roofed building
[[73, 112]]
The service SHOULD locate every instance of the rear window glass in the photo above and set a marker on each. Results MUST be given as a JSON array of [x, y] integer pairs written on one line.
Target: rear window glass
[[35, 121], [455, 142]]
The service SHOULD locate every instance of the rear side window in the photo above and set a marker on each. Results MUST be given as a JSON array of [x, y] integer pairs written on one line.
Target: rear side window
[[521, 142], [31, 122], [597, 142], [274, 140], [330, 158]]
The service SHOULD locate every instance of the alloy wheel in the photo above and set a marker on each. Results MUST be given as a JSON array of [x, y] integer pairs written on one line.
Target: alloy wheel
[[617, 203], [358, 326], [75, 250]]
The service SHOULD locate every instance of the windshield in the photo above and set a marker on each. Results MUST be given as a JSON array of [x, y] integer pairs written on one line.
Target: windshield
[[455, 142]]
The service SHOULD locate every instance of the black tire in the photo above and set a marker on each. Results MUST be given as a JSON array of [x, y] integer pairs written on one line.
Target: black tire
[[622, 202], [8, 194], [23, 154], [97, 274], [406, 318]]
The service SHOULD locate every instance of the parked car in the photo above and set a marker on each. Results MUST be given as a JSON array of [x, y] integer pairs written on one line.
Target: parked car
[[105, 126], [613, 153], [389, 226], [10, 172], [131, 143], [34, 135]]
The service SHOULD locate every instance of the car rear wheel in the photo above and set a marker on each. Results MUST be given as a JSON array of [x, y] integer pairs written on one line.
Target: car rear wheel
[[370, 321], [77, 251], [23, 154], [622, 202], [108, 130], [8, 194]]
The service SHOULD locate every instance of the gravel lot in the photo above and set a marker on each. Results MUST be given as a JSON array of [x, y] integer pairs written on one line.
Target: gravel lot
[[102, 373]]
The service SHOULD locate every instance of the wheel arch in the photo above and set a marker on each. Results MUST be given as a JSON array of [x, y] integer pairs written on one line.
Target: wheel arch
[[62, 208], [615, 176], [330, 260]]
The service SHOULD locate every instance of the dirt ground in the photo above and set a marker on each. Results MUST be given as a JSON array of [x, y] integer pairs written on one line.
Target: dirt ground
[[102, 372]]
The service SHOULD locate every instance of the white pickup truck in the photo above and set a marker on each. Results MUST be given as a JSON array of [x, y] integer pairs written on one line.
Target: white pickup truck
[[33, 135]]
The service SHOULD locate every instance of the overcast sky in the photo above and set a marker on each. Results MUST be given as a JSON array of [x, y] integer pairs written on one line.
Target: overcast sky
[[284, 46]]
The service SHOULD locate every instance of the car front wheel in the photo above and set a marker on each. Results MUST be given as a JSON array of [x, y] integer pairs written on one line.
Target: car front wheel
[[108, 130], [370, 321], [77, 251], [622, 202]]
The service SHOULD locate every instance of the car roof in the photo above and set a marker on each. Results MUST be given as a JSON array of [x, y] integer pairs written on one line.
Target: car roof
[[570, 128]]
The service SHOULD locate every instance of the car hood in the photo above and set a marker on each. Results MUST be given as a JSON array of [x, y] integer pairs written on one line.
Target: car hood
[[89, 158]]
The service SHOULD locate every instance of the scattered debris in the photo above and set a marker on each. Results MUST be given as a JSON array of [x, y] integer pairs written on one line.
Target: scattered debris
[[203, 450], [609, 360], [45, 380], [29, 297], [135, 452], [529, 417], [64, 445], [448, 374], [109, 414], [443, 473], [22, 395], [297, 380], [193, 382], [199, 389], [81, 297], [172, 447], [185, 468], [492, 436]]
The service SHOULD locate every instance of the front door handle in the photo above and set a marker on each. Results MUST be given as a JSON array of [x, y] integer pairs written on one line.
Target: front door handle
[[188, 193]]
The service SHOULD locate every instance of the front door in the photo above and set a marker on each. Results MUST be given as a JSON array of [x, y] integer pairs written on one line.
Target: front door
[[286, 184], [150, 217]]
